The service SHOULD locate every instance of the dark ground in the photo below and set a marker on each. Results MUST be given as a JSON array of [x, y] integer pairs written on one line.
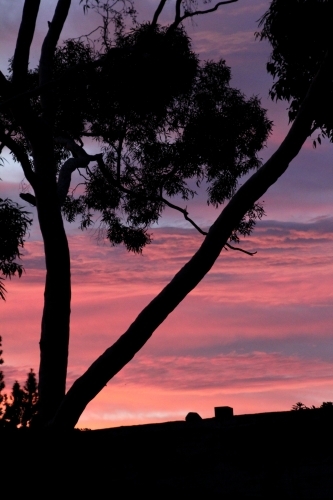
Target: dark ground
[[269, 455]]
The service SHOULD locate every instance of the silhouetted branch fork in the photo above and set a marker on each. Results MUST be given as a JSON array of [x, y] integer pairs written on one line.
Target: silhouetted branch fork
[[76, 149], [184, 211], [65, 175], [81, 159], [180, 18], [201, 231]]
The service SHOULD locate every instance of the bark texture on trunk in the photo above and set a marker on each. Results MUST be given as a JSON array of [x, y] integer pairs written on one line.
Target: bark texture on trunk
[[123, 350]]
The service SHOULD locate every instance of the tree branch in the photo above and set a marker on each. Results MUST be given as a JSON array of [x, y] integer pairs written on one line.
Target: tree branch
[[239, 249], [158, 12], [65, 175], [74, 148], [47, 54], [204, 233], [109, 178], [81, 160], [179, 18], [185, 213], [24, 40], [30, 198]]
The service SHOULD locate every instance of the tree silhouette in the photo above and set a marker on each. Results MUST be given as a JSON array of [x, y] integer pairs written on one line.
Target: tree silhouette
[[299, 406], [2, 382], [298, 54], [14, 223], [20, 407], [195, 127]]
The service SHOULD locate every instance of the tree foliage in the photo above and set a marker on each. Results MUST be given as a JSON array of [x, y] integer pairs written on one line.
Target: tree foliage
[[19, 408], [299, 32], [2, 382], [14, 223], [164, 120], [325, 406]]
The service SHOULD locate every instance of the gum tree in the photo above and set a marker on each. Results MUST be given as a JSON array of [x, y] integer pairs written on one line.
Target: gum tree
[[194, 127]]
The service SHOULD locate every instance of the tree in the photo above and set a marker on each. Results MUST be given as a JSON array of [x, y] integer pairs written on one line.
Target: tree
[[2, 382], [20, 407], [148, 153]]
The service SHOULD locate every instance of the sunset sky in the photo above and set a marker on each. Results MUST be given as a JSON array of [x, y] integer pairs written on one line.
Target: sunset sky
[[256, 334]]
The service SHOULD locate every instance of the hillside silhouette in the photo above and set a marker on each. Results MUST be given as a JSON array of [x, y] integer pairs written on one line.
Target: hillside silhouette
[[264, 455]]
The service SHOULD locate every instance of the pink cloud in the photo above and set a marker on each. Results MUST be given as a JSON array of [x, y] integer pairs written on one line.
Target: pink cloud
[[216, 348], [151, 390]]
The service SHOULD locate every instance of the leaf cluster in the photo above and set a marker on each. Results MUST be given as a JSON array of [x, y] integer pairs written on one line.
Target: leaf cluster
[[299, 32], [162, 119], [14, 223]]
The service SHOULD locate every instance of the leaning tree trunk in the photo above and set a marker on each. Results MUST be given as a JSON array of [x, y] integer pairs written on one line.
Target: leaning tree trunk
[[123, 350]]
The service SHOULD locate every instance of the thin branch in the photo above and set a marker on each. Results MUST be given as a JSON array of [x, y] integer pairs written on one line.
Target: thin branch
[[184, 211], [204, 233], [158, 12], [85, 178], [79, 184], [187, 14], [65, 175], [30, 198], [47, 53], [24, 40], [239, 249], [119, 149], [81, 160]]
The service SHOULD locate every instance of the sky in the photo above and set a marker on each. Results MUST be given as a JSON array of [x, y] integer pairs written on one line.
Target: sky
[[256, 332]]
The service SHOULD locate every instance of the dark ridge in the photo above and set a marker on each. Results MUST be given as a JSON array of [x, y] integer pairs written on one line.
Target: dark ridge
[[265, 455]]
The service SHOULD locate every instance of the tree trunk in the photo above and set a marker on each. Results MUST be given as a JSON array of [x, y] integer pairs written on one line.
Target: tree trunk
[[56, 313]]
